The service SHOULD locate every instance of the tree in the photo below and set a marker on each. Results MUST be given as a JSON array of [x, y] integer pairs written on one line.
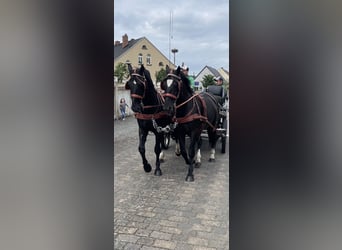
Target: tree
[[160, 75], [121, 71], [207, 80]]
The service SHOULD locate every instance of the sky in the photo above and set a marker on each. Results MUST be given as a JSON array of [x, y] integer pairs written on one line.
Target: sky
[[200, 29]]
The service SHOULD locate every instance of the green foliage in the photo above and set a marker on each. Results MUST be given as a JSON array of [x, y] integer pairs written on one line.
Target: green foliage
[[160, 75], [208, 80], [121, 71]]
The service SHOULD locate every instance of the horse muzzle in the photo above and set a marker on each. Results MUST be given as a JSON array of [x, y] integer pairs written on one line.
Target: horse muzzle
[[169, 109]]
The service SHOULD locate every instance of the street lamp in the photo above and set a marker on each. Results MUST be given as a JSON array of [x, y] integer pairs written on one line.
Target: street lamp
[[174, 51]]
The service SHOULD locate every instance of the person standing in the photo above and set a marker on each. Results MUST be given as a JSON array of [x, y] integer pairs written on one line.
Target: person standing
[[123, 106]]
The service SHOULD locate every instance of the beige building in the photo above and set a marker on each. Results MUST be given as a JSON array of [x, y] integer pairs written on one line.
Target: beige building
[[140, 51], [224, 73]]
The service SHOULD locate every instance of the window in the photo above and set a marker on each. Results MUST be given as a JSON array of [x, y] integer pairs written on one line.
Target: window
[[140, 58], [148, 59], [144, 47], [161, 64]]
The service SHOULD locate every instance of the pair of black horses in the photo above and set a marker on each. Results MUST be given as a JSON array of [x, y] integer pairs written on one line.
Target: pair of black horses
[[178, 108]]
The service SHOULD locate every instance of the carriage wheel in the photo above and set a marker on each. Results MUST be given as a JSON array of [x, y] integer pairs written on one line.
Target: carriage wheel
[[224, 137], [166, 141]]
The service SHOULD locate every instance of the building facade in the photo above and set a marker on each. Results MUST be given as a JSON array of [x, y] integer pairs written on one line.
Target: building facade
[[136, 51], [140, 51]]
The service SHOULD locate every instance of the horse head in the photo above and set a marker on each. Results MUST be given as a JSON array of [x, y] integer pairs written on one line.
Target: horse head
[[177, 88], [137, 86]]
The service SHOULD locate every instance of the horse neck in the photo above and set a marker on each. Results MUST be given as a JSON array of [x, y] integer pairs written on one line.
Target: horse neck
[[151, 99], [185, 108], [183, 96]]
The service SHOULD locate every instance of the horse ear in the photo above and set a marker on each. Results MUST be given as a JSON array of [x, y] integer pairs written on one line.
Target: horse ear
[[178, 70], [142, 69], [163, 85], [130, 69], [127, 85]]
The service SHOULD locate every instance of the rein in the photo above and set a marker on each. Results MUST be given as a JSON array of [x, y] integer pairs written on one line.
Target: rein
[[142, 116], [195, 116], [158, 115]]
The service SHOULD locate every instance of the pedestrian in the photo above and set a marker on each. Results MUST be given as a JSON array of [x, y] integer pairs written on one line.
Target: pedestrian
[[123, 106]]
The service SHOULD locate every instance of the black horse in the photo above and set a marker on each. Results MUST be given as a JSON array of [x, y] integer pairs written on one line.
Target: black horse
[[147, 104], [192, 112]]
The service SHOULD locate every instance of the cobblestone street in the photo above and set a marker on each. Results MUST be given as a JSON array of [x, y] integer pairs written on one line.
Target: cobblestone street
[[166, 212]]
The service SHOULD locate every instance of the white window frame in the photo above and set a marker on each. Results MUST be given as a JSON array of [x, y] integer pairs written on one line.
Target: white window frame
[[148, 59], [140, 59]]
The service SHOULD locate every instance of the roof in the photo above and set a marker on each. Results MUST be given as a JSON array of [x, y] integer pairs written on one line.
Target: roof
[[118, 50], [226, 71], [214, 71]]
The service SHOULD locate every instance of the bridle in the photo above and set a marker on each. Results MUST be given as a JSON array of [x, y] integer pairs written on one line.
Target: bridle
[[179, 84], [142, 80]]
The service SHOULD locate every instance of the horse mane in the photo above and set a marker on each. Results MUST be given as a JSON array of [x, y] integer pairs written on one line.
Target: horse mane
[[186, 83], [150, 85]]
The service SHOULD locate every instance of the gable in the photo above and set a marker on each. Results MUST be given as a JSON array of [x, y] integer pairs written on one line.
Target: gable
[[141, 51]]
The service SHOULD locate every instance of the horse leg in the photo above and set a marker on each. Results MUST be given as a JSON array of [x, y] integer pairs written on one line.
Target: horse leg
[[192, 150], [198, 154], [212, 141], [157, 151], [177, 150], [183, 152], [161, 156], [142, 141]]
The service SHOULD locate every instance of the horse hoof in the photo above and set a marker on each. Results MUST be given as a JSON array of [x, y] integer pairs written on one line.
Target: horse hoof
[[189, 178], [197, 164], [211, 160], [178, 154], [157, 172], [162, 160], [147, 168]]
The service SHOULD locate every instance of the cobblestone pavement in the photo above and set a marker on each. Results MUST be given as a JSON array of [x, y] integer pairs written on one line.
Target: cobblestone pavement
[[166, 212]]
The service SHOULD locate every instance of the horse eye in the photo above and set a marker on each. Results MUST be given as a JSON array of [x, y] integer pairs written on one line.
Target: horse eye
[[169, 82]]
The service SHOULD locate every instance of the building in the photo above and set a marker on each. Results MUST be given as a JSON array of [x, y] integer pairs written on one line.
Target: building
[[136, 51], [140, 51], [224, 73], [207, 70]]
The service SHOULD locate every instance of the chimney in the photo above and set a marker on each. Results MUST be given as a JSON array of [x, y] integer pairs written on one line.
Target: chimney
[[124, 41], [116, 43]]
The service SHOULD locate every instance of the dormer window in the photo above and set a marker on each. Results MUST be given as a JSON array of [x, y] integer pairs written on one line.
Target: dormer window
[[148, 59], [140, 58], [161, 64], [144, 47]]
